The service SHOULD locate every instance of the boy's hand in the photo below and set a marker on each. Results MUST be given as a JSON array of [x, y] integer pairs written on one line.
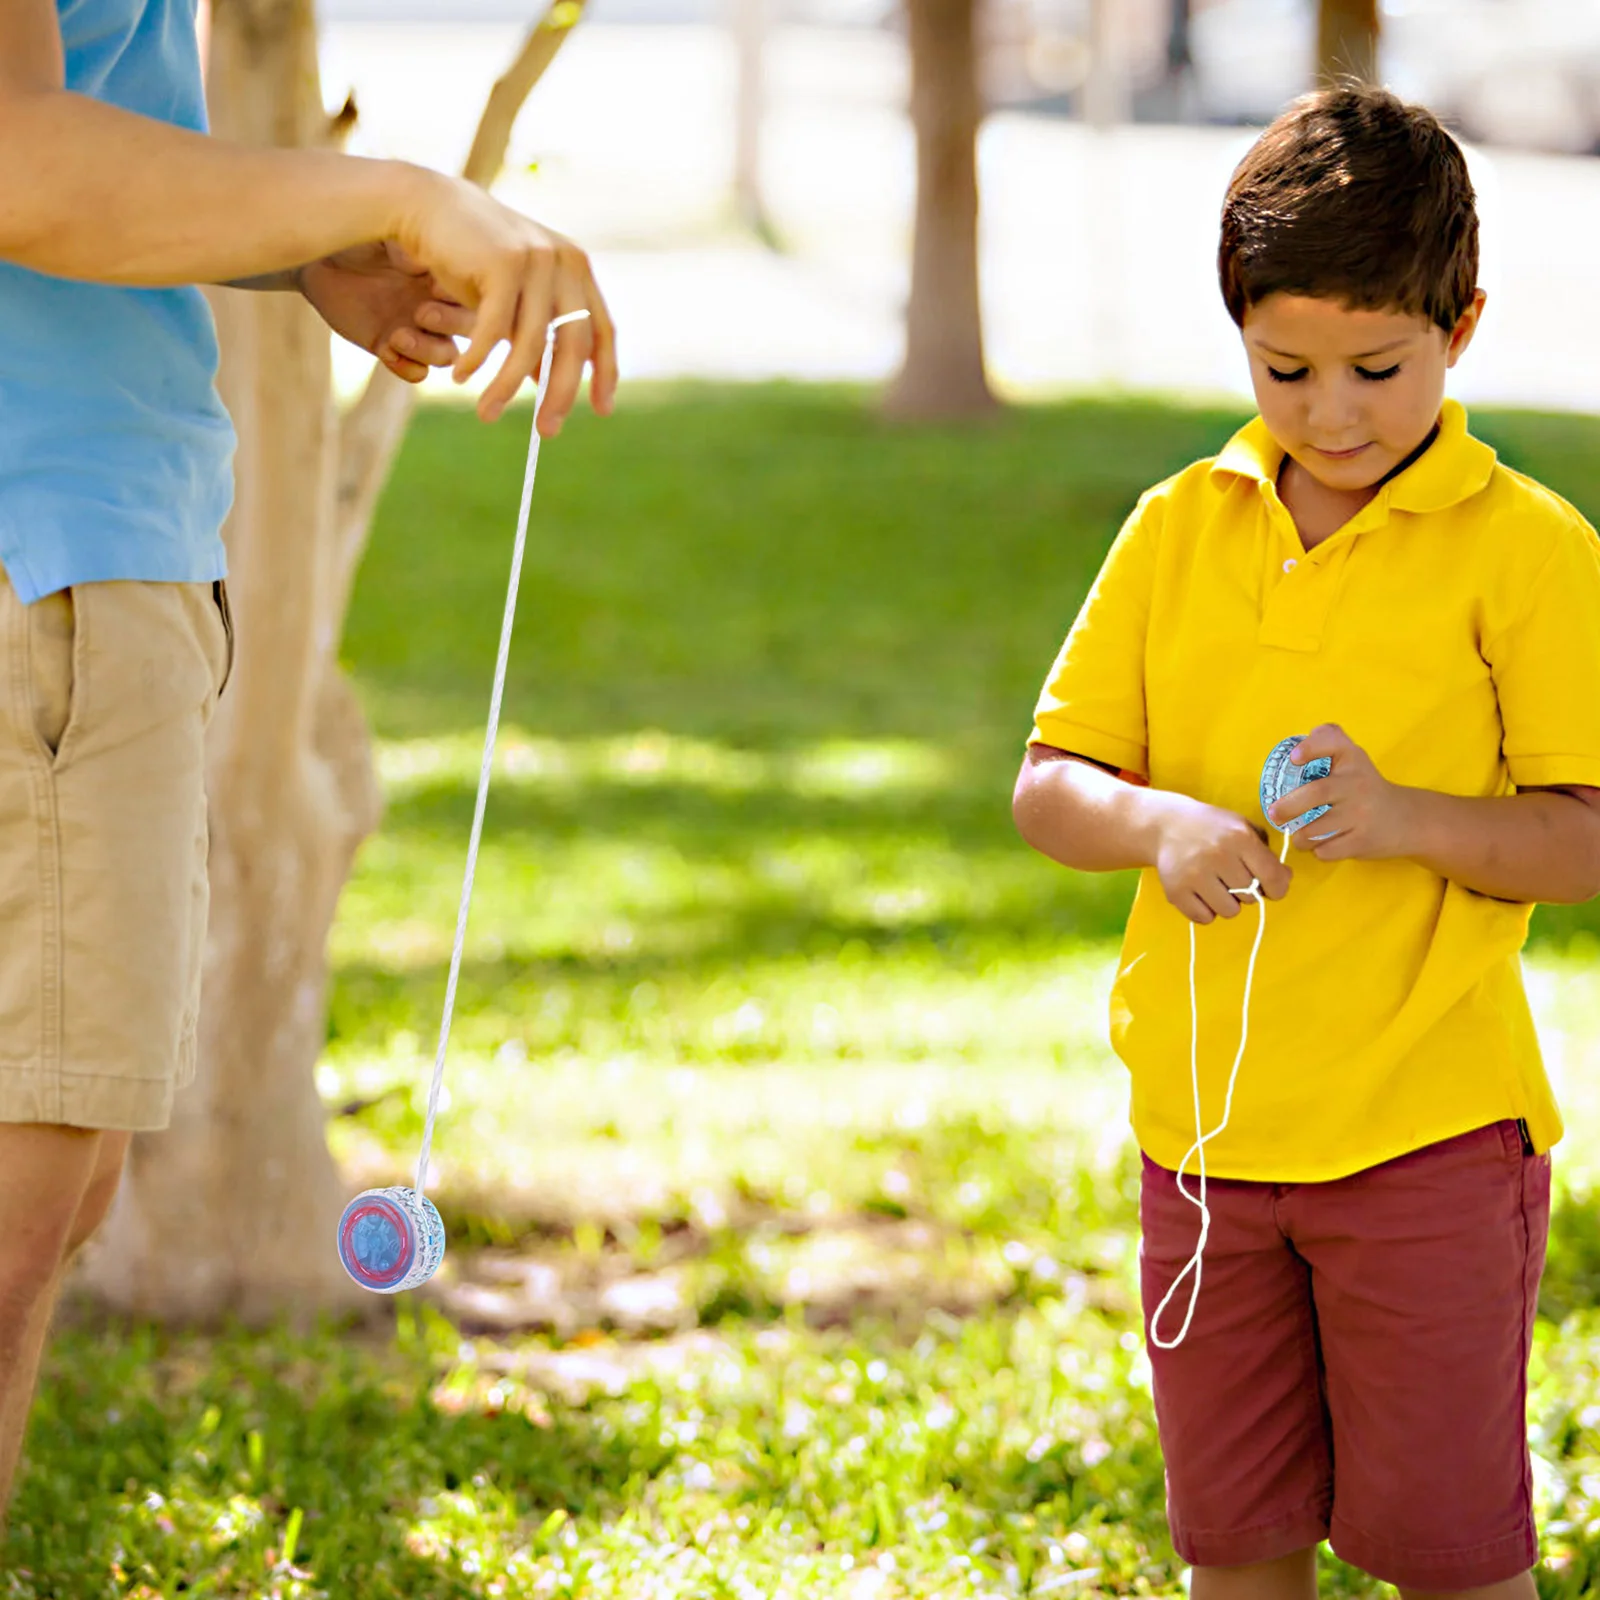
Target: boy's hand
[[1369, 818], [377, 298], [1204, 852]]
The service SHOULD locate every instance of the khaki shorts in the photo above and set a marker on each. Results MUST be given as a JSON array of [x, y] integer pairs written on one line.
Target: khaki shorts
[[106, 694]]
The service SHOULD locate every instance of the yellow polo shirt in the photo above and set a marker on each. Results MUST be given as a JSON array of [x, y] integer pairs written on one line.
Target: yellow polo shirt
[[1452, 628]]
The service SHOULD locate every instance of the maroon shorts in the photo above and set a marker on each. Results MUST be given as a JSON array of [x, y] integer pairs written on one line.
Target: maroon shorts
[[1357, 1365]]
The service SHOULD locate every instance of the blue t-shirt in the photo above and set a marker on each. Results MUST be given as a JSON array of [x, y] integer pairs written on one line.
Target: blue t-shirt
[[116, 454]]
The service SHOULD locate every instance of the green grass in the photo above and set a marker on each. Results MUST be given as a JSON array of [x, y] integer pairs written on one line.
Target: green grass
[[786, 1168]]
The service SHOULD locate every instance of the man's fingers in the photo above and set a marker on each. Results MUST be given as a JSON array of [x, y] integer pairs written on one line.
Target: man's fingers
[[521, 363], [576, 290], [496, 321], [411, 344], [411, 371], [602, 353], [446, 318], [573, 343], [1195, 909], [534, 309]]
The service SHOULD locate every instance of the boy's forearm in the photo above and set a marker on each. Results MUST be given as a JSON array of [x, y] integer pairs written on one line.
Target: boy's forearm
[[107, 195], [1083, 817], [1541, 845]]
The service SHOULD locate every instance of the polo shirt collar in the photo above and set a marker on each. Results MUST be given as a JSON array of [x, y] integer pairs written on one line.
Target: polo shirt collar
[[1452, 469]]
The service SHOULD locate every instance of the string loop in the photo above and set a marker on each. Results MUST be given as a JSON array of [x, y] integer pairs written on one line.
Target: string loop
[[1197, 1151]]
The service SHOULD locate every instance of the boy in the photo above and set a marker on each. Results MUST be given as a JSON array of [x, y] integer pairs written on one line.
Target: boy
[[115, 474], [1353, 563]]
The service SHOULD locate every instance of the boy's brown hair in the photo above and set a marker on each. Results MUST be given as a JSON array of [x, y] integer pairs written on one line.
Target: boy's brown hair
[[1352, 195]]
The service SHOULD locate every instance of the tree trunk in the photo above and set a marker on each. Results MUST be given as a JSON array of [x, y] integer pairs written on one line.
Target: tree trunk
[[1107, 92], [1180, 34], [943, 372], [750, 19], [1347, 40], [232, 1211]]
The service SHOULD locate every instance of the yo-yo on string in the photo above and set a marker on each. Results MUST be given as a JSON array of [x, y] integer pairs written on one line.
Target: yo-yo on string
[[492, 733], [393, 1239]]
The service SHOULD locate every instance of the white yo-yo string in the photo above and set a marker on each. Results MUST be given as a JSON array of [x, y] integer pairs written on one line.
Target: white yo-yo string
[[1197, 1151], [490, 736]]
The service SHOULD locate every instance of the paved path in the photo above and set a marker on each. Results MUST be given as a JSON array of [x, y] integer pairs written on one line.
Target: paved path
[[1097, 249]]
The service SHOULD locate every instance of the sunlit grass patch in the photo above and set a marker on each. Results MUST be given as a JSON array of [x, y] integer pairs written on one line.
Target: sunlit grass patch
[[837, 768], [622, 1140], [1564, 1408]]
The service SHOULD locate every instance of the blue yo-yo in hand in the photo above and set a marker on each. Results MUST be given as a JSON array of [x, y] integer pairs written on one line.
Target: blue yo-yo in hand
[[391, 1239], [1280, 776]]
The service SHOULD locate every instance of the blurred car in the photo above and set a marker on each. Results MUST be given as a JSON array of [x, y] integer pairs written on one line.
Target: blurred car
[[1511, 72]]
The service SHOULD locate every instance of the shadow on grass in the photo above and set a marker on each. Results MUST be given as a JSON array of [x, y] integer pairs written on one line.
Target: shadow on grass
[[968, 823], [371, 1000]]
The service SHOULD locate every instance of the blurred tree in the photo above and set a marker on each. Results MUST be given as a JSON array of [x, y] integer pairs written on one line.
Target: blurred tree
[[943, 372], [751, 21], [1174, 97], [1108, 89], [232, 1212], [1180, 51], [1347, 40]]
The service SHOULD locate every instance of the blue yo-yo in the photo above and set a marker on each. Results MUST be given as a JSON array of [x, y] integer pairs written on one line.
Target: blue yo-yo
[[391, 1239], [1280, 776]]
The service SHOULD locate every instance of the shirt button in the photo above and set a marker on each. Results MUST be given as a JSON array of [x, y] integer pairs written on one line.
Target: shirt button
[[1290, 564]]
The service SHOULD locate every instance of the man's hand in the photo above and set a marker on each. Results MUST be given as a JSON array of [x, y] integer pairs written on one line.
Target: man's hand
[[516, 276], [1205, 852], [133, 200], [377, 298], [1369, 818]]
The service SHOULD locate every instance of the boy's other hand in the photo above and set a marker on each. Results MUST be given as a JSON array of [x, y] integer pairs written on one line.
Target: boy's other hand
[[1205, 852], [1369, 818], [516, 276], [375, 296]]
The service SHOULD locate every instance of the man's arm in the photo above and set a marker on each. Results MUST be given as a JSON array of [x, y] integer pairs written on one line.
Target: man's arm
[[107, 195], [286, 281], [94, 192]]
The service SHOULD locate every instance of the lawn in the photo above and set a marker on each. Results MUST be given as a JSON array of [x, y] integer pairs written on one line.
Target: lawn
[[790, 1194]]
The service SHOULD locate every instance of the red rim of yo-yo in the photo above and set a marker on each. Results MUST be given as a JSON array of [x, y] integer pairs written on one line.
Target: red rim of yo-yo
[[369, 1208]]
